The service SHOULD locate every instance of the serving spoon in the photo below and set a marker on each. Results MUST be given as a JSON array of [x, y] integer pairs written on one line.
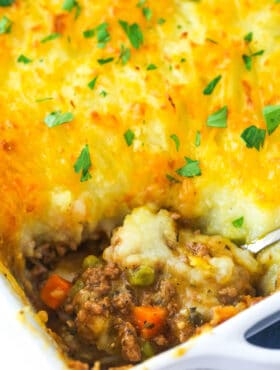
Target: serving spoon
[[258, 245]]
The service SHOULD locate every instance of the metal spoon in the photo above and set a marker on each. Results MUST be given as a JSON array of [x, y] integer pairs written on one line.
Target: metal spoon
[[266, 241]]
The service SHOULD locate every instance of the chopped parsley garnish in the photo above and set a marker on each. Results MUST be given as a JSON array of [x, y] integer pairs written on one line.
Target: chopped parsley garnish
[[172, 179], [133, 32], [51, 37], [212, 41], [103, 35], [211, 86], [129, 137], [253, 137], [218, 118], [92, 83], [238, 223], [69, 5], [89, 33], [183, 60], [43, 100], [105, 60], [23, 59], [257, 53], [248, 59], [151, 67], [190, 169], [249, 37], [140, 3], [176, 141], [271, 115], [83, 164], [57, 118], [125, 54], [5, 25], [103, 93], [197, 139], [161, 21], [6, 2], [147, 12]]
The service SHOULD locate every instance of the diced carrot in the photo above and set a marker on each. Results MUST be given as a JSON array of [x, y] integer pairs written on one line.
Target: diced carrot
[[149, 320], [55, 291]]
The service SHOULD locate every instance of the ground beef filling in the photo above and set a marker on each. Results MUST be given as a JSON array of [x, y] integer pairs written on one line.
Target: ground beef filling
[[102, 312]]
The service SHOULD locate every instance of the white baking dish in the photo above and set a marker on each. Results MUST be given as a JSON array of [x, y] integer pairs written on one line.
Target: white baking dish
[[25, 345]]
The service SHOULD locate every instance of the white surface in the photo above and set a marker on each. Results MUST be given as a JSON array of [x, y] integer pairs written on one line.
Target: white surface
[[25, 346]]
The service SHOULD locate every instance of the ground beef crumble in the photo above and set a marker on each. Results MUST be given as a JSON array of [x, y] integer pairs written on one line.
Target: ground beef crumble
[[102, 309]]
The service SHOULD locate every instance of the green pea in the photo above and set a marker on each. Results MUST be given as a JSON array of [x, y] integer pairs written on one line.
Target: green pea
[[76, 287], [142, 276], [90, 261], [147, 350]]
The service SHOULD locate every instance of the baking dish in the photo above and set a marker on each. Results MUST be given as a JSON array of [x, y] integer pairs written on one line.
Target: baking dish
[[25, 344]]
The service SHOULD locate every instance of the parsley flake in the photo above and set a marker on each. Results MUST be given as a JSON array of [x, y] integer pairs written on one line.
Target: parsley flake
[[23, 59], [51, 37], [125, 54], [103, 93], [129, 137], [212, 41], [6, 2], [57, 118], [271, 115], [103, 35], [211, 86], [89, 33], [92, 83], [161, 21], [249, 37], [105, 60], [133, 32], [247, 59], [257, 53], [253, 137], [5, 25], [218, 119], [176, 141], [69, 5], [140, 3], [197, 139], [190, 169], [151, 67], [147, 12], [83, 164], [238, 223]]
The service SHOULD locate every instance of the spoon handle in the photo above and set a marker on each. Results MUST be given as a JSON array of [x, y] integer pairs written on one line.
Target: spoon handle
[[264, 242]]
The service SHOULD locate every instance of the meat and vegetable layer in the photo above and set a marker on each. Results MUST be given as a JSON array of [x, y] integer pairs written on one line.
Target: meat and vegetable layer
[[157, 284], [111, 105]]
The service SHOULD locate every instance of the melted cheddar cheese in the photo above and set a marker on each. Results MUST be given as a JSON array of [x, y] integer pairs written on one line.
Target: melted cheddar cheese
[[189, 43]]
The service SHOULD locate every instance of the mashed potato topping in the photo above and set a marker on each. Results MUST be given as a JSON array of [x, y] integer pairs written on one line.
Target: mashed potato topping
[[205, 267], [135, 97]]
